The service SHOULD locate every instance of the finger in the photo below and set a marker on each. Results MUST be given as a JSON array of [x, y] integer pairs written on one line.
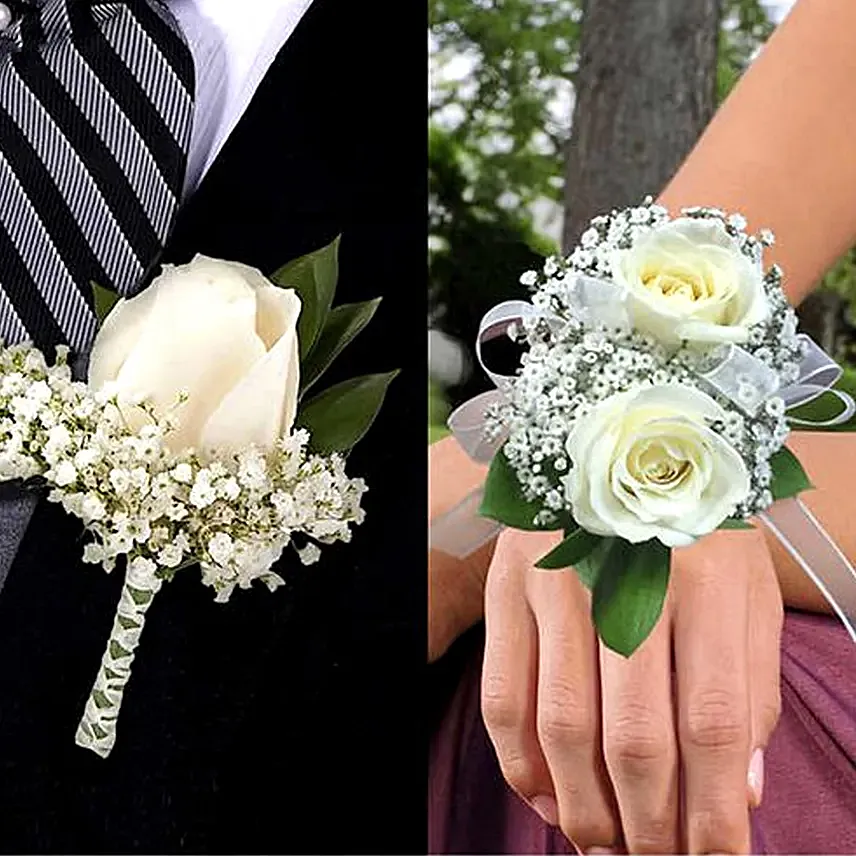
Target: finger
[[569, 708], [711, 639], [639, 740], [765, 632], [509, 679]]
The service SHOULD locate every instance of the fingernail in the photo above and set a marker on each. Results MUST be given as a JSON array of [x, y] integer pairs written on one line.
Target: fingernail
[[546, 809], [600, 851], [756, 776]]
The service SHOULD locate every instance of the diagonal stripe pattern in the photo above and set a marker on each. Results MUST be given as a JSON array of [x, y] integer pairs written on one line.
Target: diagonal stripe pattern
[[96, 108]]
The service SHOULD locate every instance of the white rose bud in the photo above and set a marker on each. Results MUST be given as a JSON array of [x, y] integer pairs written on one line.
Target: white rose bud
[[218, 331], [646, 465], [688, 280]]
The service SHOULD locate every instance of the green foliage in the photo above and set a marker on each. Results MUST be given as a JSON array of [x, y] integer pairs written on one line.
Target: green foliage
[[789, 477], [313, 277], [629, 591], [104, 300], [340, 416], [523, 53], [503, 498]]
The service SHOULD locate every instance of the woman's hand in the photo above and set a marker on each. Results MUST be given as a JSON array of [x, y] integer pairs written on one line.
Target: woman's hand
[[651, 753]]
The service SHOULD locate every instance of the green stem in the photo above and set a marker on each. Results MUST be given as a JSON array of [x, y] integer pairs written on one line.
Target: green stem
[[97, 729]]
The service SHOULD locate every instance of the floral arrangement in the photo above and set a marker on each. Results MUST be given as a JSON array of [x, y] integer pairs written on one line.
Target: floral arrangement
[[191, 444], [652, 403]]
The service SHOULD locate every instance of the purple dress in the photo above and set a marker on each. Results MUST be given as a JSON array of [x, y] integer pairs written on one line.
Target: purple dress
[[810, 765]]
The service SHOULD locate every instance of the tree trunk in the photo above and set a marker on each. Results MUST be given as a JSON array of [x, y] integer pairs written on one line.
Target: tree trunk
[[645, 90]]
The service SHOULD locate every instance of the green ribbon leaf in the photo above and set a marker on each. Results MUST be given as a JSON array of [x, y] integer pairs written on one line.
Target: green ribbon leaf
[[343, 325], [338, 418], [629, 592], [575, 547], [105, 300], [735, 523], [789, 478], [503, 498], [313, 277]]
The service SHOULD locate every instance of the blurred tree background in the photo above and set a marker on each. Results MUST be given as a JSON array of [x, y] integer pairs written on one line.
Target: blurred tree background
[[503, 83]]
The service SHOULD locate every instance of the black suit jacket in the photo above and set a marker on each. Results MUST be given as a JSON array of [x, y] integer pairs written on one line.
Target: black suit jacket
[[275, 723]]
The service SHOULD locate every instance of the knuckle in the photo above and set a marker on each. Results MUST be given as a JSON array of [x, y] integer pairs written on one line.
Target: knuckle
[[521, 773], [638, 740], [564, 720], [716, 719], [500, 710], [657, 836], [588, 832], [719, 831]]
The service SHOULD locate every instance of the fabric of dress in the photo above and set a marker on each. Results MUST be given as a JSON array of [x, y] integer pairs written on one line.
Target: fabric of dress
[[278, 722], [809, 803]]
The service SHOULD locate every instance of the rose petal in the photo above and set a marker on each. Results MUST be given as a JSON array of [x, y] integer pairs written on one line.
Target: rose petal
[[262, 406]]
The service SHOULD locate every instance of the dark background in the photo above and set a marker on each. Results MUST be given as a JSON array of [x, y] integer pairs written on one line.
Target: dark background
[[284, 723], [333, 144]]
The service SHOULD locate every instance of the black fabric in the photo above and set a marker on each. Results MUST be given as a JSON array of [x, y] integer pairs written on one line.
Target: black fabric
[[284, 723]]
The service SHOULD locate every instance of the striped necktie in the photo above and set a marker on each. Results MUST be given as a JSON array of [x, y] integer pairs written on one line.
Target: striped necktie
[[96, 106]]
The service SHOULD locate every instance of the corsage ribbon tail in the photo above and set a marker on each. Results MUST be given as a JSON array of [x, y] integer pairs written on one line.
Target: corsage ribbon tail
[[817, 554], [97, 728], [461, 530]]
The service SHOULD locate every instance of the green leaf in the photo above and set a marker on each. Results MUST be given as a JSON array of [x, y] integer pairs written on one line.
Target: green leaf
[[338, 418], [105, 300], [343, 325], [588, 568], [575, 547], [735, 523], [789, 478], [628, 596], [503, 498], [313, 277]]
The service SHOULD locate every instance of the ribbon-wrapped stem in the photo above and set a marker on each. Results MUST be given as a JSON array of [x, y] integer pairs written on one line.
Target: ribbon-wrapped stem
[[97, 728]]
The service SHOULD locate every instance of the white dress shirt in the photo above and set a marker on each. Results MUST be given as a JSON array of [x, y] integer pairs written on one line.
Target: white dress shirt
[[234, 43]]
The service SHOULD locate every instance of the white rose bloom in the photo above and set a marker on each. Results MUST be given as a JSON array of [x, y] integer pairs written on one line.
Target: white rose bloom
[[218, 331], [687, 279], [646, 465]]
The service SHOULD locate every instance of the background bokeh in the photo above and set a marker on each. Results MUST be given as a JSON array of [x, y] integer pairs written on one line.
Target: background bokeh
[[508, 80]]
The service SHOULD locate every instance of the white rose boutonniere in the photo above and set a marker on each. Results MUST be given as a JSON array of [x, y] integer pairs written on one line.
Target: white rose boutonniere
[[688, 279], [195, 442]]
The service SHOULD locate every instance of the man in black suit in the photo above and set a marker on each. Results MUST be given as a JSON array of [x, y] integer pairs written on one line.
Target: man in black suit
[[283, 722]]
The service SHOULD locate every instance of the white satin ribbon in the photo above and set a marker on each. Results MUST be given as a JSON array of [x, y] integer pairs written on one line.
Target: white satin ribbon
[[461, 531]]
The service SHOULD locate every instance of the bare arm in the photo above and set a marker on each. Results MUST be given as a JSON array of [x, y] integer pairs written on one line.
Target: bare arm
[[782, 149]]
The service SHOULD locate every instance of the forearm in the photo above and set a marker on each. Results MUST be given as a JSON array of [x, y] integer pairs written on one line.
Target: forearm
[[781, 149]]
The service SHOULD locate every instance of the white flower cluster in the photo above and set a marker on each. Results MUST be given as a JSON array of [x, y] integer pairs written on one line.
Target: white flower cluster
[[569, 368], [233, 514]]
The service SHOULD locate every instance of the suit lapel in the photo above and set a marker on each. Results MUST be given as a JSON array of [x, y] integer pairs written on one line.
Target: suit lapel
[[16, 508]]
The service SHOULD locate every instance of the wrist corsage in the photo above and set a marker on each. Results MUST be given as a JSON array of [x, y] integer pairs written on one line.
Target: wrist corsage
[[662, 374]]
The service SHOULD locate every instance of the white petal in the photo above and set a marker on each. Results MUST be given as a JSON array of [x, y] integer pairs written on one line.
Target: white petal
[[262, 405], [191, 344], [118, 336]]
